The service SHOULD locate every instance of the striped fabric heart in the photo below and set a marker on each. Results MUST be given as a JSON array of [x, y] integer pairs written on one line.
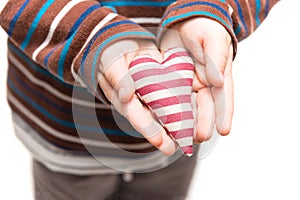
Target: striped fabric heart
[[166, 89]]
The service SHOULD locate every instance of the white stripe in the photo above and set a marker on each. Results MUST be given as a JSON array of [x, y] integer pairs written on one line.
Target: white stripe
[[186, 141], [100, 25], [179, 59], [54, 25], [250, 17], [145, 66], [164, 77], [170, 92], [146, 20], [168, 110], [77, 78], [69, 138], [62, 161], [174, 50], [51, 89], [53, 160], [180, 125]]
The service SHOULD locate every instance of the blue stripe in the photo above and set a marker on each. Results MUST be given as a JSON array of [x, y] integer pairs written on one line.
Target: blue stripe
[[201, 3], [78, 22], [40, 70], [53, 105], [172, 19], [13, 22], [112, 8], [63, 122], [35, 23], [238, 30], [258, 7], [63, 55], [267, 8], [82, 17], [101, 31], [107, 41], [240, 12], [46, 60], [137, 3]]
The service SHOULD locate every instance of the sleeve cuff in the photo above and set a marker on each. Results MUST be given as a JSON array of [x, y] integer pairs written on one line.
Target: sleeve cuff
[[187, 9], [111, 29]]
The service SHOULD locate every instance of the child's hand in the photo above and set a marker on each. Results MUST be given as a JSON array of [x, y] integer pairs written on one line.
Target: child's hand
[[210, 44], [119, 89]]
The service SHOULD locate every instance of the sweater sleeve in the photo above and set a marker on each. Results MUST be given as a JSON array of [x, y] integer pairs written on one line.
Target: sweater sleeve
[[67, 37], [240, 18]]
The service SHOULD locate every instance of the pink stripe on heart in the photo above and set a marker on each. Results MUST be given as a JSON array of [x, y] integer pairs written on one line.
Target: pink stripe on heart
[[164, 85], [176, 117], [166, 89], [170, 101]]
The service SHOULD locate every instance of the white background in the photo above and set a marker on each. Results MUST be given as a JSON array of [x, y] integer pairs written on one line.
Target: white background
[[258, 160]]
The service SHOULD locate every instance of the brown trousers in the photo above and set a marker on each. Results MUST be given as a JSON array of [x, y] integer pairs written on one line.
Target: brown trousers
[[169, 183]]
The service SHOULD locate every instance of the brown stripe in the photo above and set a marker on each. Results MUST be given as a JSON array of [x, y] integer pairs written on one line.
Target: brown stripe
[[141, 11]]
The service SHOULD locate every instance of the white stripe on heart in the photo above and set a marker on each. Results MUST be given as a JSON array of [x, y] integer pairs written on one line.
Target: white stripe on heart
[[170, 92], [164, 77], [173, 109], [180, 125]]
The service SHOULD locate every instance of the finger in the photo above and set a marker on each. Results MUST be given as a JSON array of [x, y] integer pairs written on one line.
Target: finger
[[141, 119], [206, 115], [193, 44], [105, 87], [216, 48], [118, 49], [224, 102], [115, 69], [149, 48], [170, 40], [200, 80], [197, 85], [118, 77]]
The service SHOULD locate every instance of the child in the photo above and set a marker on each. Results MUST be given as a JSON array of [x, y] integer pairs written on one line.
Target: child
[[58, 50]]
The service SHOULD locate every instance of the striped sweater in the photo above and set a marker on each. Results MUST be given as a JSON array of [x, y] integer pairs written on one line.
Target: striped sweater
[[54, 44]]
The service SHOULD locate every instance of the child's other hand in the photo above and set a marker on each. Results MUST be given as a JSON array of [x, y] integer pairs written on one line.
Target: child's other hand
[[118, 87], [211, 46]]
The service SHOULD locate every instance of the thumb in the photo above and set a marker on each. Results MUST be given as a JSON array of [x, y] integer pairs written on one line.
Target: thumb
[[114, 67]]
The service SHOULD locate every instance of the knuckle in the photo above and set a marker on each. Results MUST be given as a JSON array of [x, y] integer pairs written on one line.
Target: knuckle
[[112, 79]]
